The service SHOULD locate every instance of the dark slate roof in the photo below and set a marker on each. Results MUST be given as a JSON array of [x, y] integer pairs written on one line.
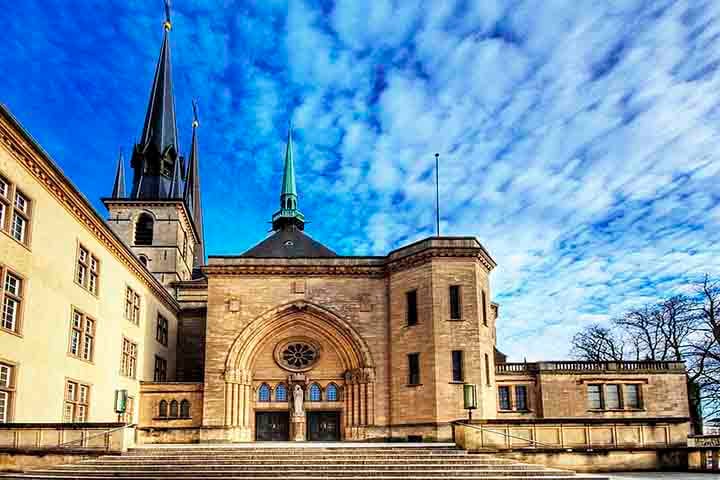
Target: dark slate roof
[[289, 243]]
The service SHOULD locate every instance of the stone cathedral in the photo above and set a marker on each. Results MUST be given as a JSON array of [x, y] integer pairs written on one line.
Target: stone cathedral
[[286, 341]]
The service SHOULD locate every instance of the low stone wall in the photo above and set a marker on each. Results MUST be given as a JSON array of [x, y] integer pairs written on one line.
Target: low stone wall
[[35, 445], [584, 445]]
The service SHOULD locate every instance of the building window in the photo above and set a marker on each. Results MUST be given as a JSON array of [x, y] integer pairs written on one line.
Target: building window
[[455, 303], [457, 366], [414, 369], [595, 401], [504, 398], [281, 393], [612, 397], [314, 393], [632, 395], [88, 270], [144, 229], [82, 336], [12, 297], [7, 390], [331, 393], [411, 307], [160, 369], [264, 393], [128, 363], [132, 306], [4, 202], [21, 218], [484, 307], [143, 260], [487, 369], [162, 330], [174, 409], [521, 402], [163, 409], [77, 401], [184, 409]]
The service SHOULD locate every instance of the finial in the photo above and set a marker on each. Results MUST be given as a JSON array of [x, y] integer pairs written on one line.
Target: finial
[[167, 24], [196, 120]]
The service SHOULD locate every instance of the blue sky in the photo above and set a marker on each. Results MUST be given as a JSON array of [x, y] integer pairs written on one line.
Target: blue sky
[[579, 139]]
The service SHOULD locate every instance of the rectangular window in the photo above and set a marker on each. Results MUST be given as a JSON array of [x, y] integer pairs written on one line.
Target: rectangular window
[[632, 395], [521, 402], [504, 398], [132, 306], [414, 369], [12, 297], [160, 369], [411, 307], [457, 366], [20, 217], [612, 397], [128, 363], [595, 400], [87, 271], [455, 306], [82, 336], [127, 417], [161, 335], [77, 402], [7, 390], [484, 307], [487, 369]]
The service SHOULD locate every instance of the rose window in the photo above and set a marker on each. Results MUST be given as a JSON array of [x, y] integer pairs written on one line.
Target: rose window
[[298, 355]]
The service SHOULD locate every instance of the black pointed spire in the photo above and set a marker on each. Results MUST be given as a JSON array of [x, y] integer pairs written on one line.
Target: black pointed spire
[[157, 152], [176, 189], [192, 191], [118, 190]]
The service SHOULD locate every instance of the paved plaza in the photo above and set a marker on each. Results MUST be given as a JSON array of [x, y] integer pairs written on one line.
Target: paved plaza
[[663, 475]]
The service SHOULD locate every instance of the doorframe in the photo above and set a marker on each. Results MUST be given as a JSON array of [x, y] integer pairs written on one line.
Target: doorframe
[[276, 412], [338, 425]]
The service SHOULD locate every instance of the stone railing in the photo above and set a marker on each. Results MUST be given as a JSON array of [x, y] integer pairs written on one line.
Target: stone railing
[[105, 437], [580, 367], [582, 434]]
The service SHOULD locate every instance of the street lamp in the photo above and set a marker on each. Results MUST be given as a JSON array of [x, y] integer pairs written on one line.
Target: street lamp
[[470, 398]]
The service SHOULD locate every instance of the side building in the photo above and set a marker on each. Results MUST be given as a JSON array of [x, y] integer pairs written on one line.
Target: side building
[[82, 317]]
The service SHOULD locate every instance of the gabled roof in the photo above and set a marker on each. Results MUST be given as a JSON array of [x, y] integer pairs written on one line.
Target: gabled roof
[[289, 243]]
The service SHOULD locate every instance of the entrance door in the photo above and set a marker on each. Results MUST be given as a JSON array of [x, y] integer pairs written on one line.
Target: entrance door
[[323, 426], [272, 426]]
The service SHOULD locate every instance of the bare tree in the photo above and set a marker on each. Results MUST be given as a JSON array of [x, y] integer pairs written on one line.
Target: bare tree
[[596, 343]]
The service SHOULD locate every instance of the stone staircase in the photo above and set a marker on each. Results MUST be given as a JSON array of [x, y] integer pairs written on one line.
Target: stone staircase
[[307, 462]]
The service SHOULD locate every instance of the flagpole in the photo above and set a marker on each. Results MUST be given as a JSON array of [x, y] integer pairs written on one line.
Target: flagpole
[[437, 194]]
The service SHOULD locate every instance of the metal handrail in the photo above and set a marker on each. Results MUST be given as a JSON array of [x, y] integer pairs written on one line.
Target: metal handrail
[[507, 435], [85, 439]]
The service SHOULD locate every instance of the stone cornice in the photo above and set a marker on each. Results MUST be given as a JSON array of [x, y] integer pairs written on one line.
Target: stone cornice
[[30, 155], [297, 270]]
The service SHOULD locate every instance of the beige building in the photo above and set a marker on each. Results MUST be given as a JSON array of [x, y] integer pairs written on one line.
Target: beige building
[[287, 341]]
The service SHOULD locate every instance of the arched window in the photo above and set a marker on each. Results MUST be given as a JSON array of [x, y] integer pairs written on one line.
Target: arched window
[[331, 393], [264, 393], [281, 393], [174, 409], [185, 409], [314, 393], [162, 410], [144, 230]]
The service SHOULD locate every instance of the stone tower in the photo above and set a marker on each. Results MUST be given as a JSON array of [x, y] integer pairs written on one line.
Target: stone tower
[[161, 219]]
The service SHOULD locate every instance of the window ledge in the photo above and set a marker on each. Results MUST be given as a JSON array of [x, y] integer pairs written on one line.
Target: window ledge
[[414, 385], [76, 357], [457, 382], [164, 419], [27, 247], [11, 332]]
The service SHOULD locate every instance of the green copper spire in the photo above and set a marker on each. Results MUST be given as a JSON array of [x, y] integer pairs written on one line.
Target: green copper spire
[[288, 215]]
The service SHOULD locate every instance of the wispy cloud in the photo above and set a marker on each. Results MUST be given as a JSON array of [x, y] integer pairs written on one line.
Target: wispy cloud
[[578, 144]]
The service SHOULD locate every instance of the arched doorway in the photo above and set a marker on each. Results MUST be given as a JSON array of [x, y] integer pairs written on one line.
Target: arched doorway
[[299, 372]]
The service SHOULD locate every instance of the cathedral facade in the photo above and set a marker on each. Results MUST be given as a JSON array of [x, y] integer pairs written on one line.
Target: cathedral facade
[[126, 319]]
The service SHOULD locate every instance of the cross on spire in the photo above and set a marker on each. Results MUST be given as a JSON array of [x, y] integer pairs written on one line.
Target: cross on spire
[[168, 23]]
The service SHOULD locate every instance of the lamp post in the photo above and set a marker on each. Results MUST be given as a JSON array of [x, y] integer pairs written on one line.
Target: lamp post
[[470, 398]]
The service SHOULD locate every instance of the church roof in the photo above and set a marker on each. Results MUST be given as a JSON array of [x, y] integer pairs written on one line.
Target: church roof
[[289, 243]]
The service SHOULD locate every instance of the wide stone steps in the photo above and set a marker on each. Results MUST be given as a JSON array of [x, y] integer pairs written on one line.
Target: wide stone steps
[[255, 461]]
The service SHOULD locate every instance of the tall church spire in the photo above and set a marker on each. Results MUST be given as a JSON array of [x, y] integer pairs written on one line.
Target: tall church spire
[[192, 191], [154, 157], [288, 215], [118, 190]]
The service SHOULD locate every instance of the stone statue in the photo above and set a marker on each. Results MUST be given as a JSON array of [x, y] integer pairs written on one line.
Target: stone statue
[[297, 400]]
